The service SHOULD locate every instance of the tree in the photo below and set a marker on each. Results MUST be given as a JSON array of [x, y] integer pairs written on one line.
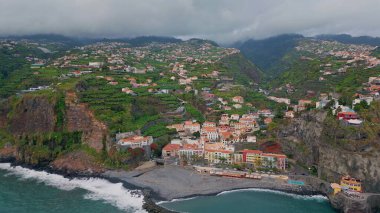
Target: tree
[[258, 163], [154, 146], [222, 160], [360, 106], [197, 134]]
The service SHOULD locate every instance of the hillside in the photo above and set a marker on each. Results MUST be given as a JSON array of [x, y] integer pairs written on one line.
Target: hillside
[[74, 102], [268, 52], [316, 66]]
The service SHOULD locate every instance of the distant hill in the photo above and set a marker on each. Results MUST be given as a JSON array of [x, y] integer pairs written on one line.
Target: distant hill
[[269, 54], [348, 39], [143, 40], [266, 53], [78, 41], [45, 38]]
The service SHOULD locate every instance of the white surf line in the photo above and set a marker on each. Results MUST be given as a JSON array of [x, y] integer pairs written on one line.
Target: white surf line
[[98, 189]]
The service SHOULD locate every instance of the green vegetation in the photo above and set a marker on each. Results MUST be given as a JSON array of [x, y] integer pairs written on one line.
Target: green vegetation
[[43, 148], [354, 138], [60, 107], [194, 113]]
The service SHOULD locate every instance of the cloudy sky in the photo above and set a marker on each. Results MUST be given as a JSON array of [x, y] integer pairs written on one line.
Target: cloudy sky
[[222, 20]]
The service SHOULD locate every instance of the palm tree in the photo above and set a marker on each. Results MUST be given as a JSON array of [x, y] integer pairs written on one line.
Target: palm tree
[[258, 163], [222, 160]]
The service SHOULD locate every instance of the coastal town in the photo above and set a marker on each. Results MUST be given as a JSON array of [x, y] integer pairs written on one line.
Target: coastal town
[[181, 106]]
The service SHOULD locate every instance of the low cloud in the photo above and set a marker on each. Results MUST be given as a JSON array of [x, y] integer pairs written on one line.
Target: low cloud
[[225, 21]]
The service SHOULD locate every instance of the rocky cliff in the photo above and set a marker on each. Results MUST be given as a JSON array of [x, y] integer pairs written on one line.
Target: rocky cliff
[[311, 140], [333, 162], [301, 137], [305, 140], [80, 118], [31, 115], [40, 128]]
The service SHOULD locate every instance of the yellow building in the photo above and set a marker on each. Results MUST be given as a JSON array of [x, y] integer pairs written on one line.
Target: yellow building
[[351, 183], [219, 156], [336, 187]]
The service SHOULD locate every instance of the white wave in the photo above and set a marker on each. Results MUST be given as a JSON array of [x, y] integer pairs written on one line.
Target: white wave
[[175, 200], [98, 189], [304, 197]]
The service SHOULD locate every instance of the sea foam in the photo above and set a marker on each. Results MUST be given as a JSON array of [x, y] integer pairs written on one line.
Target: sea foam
[[176, 200], [98, 189], [296, 196]]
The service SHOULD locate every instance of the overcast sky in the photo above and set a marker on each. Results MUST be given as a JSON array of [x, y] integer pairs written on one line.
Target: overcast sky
[[224, 21]]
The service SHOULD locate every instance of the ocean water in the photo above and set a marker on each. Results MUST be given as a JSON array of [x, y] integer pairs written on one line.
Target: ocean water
[[252, 201], [28, 191], [24, 190]]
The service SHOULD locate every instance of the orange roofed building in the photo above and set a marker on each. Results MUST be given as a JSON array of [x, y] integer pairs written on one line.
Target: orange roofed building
[[171, 150]]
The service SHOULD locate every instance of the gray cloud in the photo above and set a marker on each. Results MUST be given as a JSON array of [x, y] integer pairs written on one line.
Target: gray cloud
[[221, 20]]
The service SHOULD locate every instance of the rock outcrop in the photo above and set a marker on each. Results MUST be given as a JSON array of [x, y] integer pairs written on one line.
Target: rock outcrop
[[304, 138], [333, 162], [77, 162], [80, 118], [301, 138], [33, 114]]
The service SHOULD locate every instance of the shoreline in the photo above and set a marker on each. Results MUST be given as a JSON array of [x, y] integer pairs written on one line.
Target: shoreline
[[153, 196]]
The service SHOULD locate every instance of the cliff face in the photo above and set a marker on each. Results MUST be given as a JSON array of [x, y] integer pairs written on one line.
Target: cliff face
[[77, 162], [301, 138], [80, 118], [334, 162], [38, 114], [4, 109], [34, 114], [304, 139]]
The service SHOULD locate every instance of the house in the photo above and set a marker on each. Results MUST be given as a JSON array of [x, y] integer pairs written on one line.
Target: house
[[265, 113], [350, 183], [95, 64], [191, 127], [252, 157], [302, 104], [209, 124], [238, 99], [237, 106], [251, 139], [347, 115], [189, 151], [225, 137], [268, 120], [274, 161], [210, 132], [177, 127], [135, 141], [279, 100], [219, 156], [227, 108], [113, 83], [224, 119], [127, 91], [171, 150], [260, 159], [235, 117], [336, 187], [289, 114]]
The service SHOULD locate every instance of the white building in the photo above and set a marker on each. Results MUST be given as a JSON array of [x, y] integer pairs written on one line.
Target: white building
[[251, 139], [135, 142]]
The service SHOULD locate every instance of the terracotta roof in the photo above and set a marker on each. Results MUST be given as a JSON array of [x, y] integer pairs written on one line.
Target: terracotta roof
[[171, 147], [209, 129], [134, 139], [252, 151]]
